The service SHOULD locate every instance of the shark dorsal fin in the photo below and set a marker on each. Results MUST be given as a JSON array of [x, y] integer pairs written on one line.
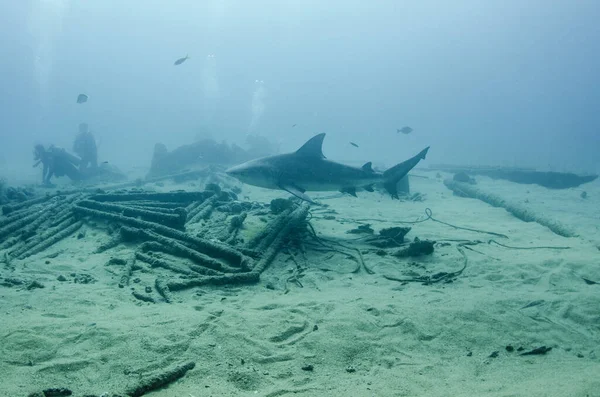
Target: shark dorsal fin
[[367, 167], [313, 147]]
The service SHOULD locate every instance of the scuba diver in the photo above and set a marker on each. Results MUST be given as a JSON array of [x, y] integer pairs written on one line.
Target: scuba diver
[[85, 147], [56, 162]]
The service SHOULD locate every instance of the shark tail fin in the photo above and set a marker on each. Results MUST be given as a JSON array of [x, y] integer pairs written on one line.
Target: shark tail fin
[[393, 175]]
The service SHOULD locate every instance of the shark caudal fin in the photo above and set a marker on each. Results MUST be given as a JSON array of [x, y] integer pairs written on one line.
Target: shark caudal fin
[[393, 175]]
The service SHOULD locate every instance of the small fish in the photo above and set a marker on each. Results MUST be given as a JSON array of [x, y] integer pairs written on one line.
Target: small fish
[[82, 98], [353, 144], [404, 130], [294, 125], [104, 162], [181, 60]]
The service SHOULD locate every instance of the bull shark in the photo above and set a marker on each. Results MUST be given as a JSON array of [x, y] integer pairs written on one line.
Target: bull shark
[[307, 169]]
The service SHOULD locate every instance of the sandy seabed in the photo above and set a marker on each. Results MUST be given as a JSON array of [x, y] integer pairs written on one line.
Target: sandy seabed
[[361, 334]]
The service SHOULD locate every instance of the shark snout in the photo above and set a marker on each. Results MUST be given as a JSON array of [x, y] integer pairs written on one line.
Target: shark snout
[[231, 170], [236, 171]]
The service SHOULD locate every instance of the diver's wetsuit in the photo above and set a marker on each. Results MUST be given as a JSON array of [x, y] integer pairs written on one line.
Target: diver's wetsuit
[[57, 162], [85, 147]]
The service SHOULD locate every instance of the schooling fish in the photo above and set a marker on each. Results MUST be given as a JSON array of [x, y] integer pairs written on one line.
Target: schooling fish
[[181, 60], [404, 130], [82, 98], [353, 144]]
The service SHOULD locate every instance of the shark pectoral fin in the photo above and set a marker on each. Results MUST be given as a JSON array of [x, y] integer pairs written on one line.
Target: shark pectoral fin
[[369, 188], [350, 190], [296, 191]]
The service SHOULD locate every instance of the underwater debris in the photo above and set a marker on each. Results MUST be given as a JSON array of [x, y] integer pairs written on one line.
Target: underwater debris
[[275, 224], [155, 223], [12, 196], [537, 351], [270, 244], [522, 213], [50, 237], [446, 277], [146, 385], [550, 180], [237, 221], [297, 274], [175, 247], [34, 285], [143, 297], [389, 237], [11, 282], [174, 218], [362, 229], [115, 240], [129, 267], [396, 233], [163, 290], [464, 177], [36, 226], [415, 197], [330, 245], [160, 379], [235, 225], [279, 205], [83, 278], [208, 247], [155, 261], [53, 392], [416, 248], [210, 261], [203, 210], [170, 197], [213, 187]]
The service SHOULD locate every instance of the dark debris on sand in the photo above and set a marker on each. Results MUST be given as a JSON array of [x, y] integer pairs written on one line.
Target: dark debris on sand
[[11, 195], [180, 240], [183, 239]]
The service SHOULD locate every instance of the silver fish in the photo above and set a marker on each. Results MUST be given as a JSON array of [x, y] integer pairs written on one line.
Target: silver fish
[[82, 98], [181, 60]]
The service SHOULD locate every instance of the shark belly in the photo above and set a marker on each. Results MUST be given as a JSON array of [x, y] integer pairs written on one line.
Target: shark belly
[[330, 176], [330, 186]]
